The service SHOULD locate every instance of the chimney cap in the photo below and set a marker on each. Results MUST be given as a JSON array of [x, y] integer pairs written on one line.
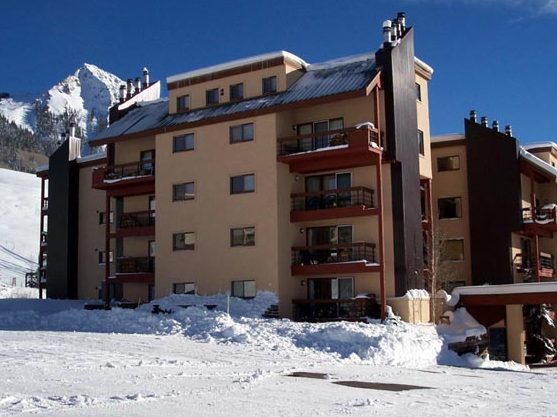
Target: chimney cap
[[401, 14], [145, 70], [387, 24]]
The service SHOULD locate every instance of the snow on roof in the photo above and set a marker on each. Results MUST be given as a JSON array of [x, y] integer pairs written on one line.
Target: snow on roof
[[523, 288], [538, 145], [447, 137], [533, 159], [92, 157], [236, 63], [423, 65]]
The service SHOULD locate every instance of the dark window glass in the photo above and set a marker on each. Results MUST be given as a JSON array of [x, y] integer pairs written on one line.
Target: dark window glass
[[237, 91], [243, 289], [102, 217], [212, 96], [185, 191], [183, 241], [449, 208], [184, 288], [242, 184], [102, 257], [241, 133], [448, 163], [183, 103], [183, 143], [418, 91], [421, 141], [269, 85], [453, 250], [242, 236]]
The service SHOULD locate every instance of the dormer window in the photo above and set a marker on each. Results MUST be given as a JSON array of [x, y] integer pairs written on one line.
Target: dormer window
[[183, 103], [270, 85], [212, 96], [237, 91]]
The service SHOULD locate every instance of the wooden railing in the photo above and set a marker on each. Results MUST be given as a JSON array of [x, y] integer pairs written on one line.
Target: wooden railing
[[136, 219], [540, 215], [340, 197], [339, 309], [321, 140], [132, 169], [334, 253], [131, 265], [527, 265]]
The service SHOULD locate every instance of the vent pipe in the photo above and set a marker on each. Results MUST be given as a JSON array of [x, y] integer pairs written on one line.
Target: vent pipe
[[387, 33], [484, 121], [72, 130], [508, 130], [129, 88], [401, 17], [137, 82], [495, 125], [122, 96], [145, 77], [473, 116]]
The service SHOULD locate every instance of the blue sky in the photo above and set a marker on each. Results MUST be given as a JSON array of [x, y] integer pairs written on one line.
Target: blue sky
[[496, 56]]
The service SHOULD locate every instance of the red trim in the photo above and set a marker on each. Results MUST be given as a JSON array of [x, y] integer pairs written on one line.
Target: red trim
[[339, 268], [145, 277], [506, 299], [133, 231], [332, 213]]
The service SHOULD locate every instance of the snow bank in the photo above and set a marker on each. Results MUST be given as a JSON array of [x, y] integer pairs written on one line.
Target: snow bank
[[7, 291], [462, 325]]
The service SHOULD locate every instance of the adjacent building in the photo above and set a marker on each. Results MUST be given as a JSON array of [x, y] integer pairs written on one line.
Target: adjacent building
[[262, 174]]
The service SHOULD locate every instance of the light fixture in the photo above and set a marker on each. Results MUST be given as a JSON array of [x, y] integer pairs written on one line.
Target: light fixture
[[301, 230], [303, 282], [296, 178]]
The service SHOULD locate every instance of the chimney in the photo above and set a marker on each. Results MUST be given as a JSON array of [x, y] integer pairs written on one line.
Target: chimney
[[484, 121], [387, 38], [122, 93], [137, 82], [145, 77], [508, 130], [495, 125], [129, 88], [401, 17], [72, 130], [473, 116]]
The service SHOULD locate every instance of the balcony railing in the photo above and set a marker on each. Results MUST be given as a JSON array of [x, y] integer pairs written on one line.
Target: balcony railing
[[45, 204], [334, 253], [134, 265], [136, 219], [540, 215], [526, 265], [323, 140], [129, 170], [44, 237], [337, 198], [339, 309]]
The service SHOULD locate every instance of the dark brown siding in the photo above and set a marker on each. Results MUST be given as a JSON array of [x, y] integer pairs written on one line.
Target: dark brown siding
[[494, 200]]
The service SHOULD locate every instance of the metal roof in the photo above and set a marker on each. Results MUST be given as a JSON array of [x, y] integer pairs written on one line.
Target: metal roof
[[320, 80]]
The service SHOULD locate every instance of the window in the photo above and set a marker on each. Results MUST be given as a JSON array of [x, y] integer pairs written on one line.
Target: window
[[183, 288], [242, 184], [236, 91], [241, 133], [421, 142], [453, 250], [183, 241], [102, 257], [212, 96], [242, 236], [448, 163], [326, 235], [419, 92], [183, 103], [331, 288], [152, 207], [183, 143], [449, 208], [183, 192], [147, 159], [151, 247], [102, 217], [243, 289], [270, 85]]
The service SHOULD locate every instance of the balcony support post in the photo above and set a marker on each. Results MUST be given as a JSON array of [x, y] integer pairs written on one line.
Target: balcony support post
[[41, 250], [380, 224], [107, 252], [537, 265]]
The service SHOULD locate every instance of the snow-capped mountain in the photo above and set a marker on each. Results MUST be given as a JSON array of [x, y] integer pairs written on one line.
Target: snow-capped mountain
[[89, 92]]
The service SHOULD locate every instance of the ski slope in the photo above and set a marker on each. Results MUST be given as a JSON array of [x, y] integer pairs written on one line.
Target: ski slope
[[19, 224]]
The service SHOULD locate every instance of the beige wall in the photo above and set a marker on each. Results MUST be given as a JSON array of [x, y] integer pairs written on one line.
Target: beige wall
[[423, 124], [90, 237], [410, 310], [130, 150], [515, 333], [452, 184], [136, 292]]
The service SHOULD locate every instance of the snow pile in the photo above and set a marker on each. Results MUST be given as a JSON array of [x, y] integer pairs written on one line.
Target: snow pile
[[19, 224], [7, 291], [416, 295], [462, 325]]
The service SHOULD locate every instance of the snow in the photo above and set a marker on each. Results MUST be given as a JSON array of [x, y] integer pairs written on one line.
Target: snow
[[8, 291], [416, 294], [462, 325], [18, 112], [19, 224], [538, 162]]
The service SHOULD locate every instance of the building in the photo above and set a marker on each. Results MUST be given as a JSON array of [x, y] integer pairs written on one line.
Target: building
[[495, 212], [270, 174]]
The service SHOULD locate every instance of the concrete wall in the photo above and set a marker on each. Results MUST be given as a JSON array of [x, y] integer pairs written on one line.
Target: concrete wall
[[515, 333], [410, 310]]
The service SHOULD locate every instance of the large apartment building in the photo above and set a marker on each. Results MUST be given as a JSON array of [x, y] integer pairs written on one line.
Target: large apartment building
[[264, 174]]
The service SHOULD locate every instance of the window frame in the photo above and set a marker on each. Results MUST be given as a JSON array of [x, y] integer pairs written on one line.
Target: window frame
[[102, 253], [184, 136], [174, 188], [458, 209], [264, 80], [180, 108], [209, 91], [243, 138], [185, 284], [461, 240], [242, 244], [185, 247], [421, 142], [231, 89], [419, 92], [102, 217], [244, 191], [448, 169], [243, 282]]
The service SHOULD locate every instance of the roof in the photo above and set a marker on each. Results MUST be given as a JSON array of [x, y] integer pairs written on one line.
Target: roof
[[236, 63], [320, 80], [504, 289], [538, 163], [539, 145], [447, 137], [81, 160]]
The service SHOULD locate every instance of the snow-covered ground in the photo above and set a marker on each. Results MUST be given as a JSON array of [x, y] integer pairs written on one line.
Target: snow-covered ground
[[58, 359], [19, 224]]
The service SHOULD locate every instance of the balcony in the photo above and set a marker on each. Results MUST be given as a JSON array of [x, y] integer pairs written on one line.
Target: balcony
[[526, 266], [340, 258], [138, 223], [352, 309], [134, 269], [137, 177], [332, 204], [541, 220], [335, 149]]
